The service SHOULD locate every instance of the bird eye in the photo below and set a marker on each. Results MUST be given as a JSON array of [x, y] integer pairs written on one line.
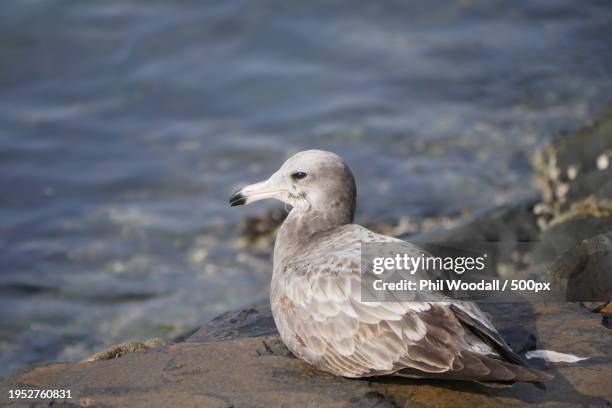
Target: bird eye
[[298, 176]]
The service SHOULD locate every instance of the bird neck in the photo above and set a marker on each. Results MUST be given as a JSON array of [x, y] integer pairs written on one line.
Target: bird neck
[[299, 227]]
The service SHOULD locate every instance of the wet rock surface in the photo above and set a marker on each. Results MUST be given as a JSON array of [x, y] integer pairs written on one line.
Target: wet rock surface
[[250, 322], [238, 360]]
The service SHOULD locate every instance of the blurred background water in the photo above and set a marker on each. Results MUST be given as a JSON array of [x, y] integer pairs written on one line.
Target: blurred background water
[[126, 124]]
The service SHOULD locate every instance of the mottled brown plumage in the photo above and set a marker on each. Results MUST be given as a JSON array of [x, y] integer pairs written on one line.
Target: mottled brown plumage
[[316, 292]]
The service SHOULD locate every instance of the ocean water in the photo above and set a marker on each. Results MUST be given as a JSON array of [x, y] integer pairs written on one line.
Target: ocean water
[[126, 124]]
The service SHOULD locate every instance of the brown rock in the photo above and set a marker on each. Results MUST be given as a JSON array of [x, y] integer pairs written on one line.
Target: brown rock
[[121, 349], [239, 373], [258, 371]]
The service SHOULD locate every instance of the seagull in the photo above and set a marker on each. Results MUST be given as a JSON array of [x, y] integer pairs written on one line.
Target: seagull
[[316, 292]]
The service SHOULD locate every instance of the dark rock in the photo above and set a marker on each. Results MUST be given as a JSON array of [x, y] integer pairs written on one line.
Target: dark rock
[[574, 173], [572, 163], [251, 322], [606, 321], [508, 223], [584, 272], [583, 220], [597, 183]]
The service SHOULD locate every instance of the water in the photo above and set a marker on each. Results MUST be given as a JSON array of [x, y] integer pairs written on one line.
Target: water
[[125, 125]]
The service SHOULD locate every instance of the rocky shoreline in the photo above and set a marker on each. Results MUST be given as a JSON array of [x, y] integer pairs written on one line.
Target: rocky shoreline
[[238, 360]]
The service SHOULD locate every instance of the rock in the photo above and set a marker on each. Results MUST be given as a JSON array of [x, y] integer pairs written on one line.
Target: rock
[[257, 371], [251, 322], [507, 223], [570, 161], [583, 220], [595, 183], [583, 272], [121, 349], [575, 176], [605, 308], [607, 321], [233, 373]]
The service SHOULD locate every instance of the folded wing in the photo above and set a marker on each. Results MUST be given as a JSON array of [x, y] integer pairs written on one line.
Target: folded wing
[[321, 317]]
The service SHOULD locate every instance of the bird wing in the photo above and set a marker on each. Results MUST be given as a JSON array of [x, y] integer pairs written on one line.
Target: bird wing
[[324, 321]]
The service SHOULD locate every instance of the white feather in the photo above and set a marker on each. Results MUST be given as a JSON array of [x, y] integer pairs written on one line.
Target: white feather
[[554, 356]]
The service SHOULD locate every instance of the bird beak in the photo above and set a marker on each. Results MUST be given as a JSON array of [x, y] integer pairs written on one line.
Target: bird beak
[[254, 192]]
